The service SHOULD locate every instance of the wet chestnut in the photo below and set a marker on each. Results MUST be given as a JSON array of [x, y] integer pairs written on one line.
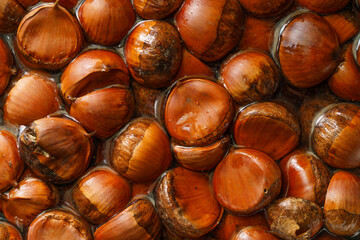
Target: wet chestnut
[[8, 231], [197, 112], [145, 99], [253, 233], [268, 127], [153, 61], [6, 65], [100, 20], [246, 180], [336, 135], [138, 221], [186, 204], [324, 6], [100, 194], [11, 13], [154, 9], [56, 149], [266, 8], [210, 29]]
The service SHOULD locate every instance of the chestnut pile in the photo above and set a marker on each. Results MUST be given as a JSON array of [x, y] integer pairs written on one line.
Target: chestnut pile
[[179, 119]]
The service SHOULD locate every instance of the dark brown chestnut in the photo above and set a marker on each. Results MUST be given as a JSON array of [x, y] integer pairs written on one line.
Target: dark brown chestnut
[[11, 13], [266, 8], [253, 233], [186, 204], [56, 149], [154, 9], [324, 6], [8, 231], [210, 28], [327, 236], [145, 99], [6, 65]]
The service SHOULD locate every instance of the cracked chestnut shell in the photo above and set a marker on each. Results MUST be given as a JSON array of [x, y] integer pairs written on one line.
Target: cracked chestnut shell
[[6, 64], [246, 180], [11, 13], [155, 9], [342, 207], [58, 150], [266, 8], [138, 221], [253, 233], [294, 218], [186, 204], [8, 231], [153, 53], [324, 6]]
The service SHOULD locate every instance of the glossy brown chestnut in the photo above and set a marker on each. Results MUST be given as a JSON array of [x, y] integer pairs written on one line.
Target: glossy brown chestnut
[[266, 8], [93, 70], [29, 3], [210, 28], [201, 158], [230, 223], [246, 180], [106, 22], [304, 176], [186, 204], [253, 233], [100, 194], [56, 149], [141, 189], [197, 112], [30, 198], [153, 61], [6, 64], [138, 221], [154, 9], [302, 64], [142, 150], [104, 111], [8, 231], [11, 13], [249, 76], [34, 96], [294, 218], [145, 99], [58, 224], [11, 165], [324, 6], [54, 22], [342, 206], [336, 135], [268, 127]]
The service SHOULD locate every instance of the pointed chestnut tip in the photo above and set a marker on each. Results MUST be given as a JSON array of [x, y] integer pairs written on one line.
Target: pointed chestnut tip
[[72, 99], [56, 4], [13, 71]]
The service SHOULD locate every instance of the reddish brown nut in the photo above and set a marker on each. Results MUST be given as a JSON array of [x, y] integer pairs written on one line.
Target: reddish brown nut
[[28, 3], [8, 231], [186, 204], [268, 127], [145, 99], [106, 22], [34, 96], [11, 13], [100, 194], [342, 206], [154, 9], [141, 189], [253, 233], [54, 22], [246, 180], [324, 6], [249, 76], [197, 112], [68, 4], [201, 158], [210, 28], [58, 224], [302, 64], [294, 218], [6, 64], [11, 165], [30, 198], [266, 8], [142, 151], [153, 61], [138, 221], [336, 135], [304, 176], [56, 149]]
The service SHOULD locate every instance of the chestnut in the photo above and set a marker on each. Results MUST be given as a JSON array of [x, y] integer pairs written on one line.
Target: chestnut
[[34, 96], [302, 64], [210, 29], [145, 99], [11, 165], [341, 208], [197, 112], [8, 231], [153, 9], [266, 8], [138, 221], [68, 4], [336, 135], [100, 194], [153, 61], [58, 150], [186, 204], [58, 224], [253, 233], [201, 158], [141, 189], [142, 151], [246, 180], [267, 126], [6, 65], [28, 3], [30, 198], [305, 176], [11, 13], [249, 76], [106, 22], [294, 218], [324, 6], [50, 21]]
